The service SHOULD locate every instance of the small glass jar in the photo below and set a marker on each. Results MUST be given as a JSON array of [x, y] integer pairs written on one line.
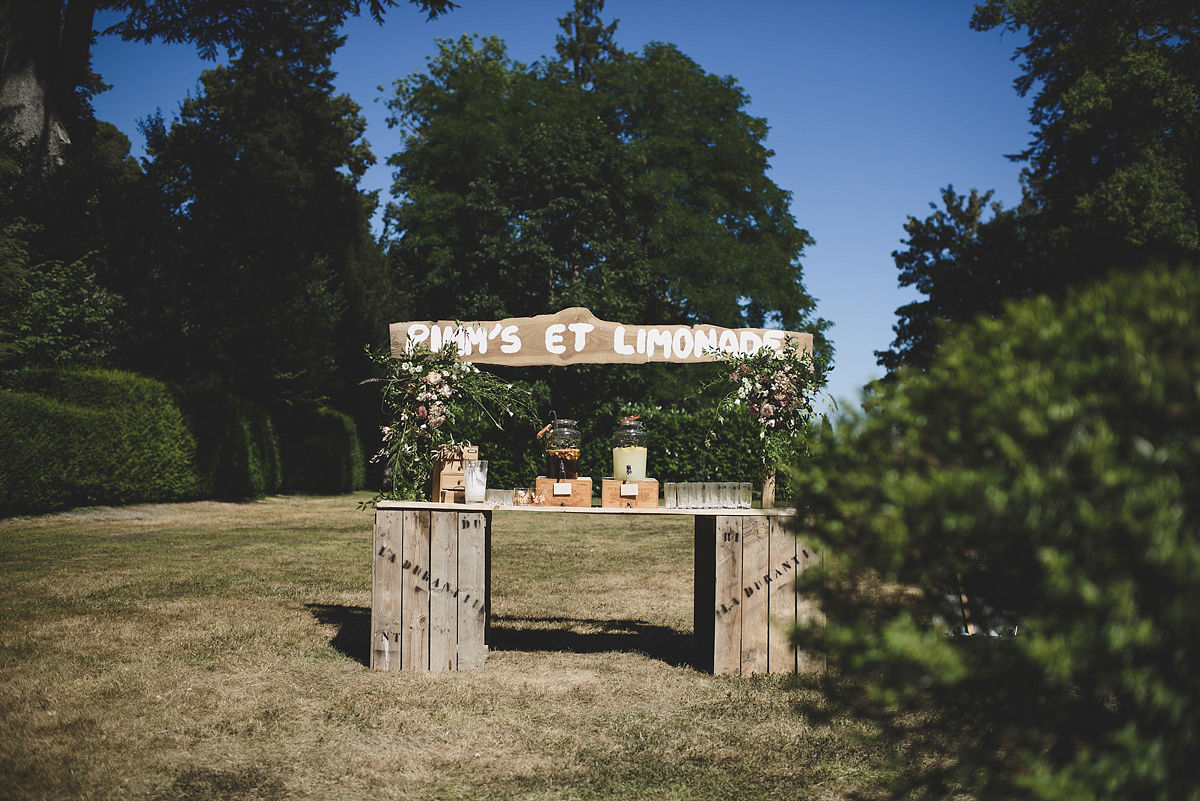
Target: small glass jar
[[562, 449], [629, 450]]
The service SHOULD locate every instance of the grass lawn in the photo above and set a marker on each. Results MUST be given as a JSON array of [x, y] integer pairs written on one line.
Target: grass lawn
[[219, 651]]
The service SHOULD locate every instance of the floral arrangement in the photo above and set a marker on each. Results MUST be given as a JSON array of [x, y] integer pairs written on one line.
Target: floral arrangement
[[425, 395], [776, 388]]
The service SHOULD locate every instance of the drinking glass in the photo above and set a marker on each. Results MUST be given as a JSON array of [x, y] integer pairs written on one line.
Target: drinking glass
[[711, 499], [745, 492], [475, 480], [671, 495], [726, 495]]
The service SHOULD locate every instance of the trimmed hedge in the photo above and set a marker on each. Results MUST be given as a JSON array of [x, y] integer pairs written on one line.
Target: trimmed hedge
[[238, 453], [678, 450], [92, 437], [322, 454], [85, 437]]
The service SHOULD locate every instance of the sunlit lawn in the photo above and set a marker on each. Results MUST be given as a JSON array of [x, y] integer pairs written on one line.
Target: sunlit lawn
[[218, 650]]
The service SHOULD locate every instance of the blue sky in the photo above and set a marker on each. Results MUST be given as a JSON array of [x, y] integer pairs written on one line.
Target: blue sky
[[873, 107]]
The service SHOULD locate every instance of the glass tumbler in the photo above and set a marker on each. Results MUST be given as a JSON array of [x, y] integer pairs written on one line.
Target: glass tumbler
[[475, 480]]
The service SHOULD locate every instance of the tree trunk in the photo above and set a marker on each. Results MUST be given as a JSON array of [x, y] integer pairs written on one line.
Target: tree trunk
[[768, 487], [45, 61]]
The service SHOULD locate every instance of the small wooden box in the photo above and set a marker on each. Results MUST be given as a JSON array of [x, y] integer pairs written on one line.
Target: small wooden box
[[449, 477], [556, 493], [621, 494]]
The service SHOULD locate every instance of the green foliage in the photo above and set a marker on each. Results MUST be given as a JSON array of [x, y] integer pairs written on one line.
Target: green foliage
[[1115, 156], [64, 317], [425, 396], [633, 185], [268, 249], [1113, 177], [963, 264], [321, 454], [1046, 464], [775, 389], [79, 438], [238, 453]]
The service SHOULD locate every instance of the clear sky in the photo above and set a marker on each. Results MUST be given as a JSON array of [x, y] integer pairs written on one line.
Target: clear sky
[[873, 107]]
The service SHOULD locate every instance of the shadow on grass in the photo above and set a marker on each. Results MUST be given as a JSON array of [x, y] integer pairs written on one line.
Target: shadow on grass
[[507, 633], [666, 644], [353, 637]]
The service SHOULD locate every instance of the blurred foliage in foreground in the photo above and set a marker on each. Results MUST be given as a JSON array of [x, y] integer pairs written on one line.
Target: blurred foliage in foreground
[[1046, 468]]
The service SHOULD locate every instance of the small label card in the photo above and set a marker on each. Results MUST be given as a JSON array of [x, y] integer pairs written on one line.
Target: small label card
[[562, 489]]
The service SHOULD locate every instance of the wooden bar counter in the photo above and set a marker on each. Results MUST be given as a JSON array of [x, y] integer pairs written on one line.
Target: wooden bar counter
[[431, 576]]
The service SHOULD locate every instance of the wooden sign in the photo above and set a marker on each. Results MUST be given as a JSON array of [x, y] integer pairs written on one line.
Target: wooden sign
[[576, 336]]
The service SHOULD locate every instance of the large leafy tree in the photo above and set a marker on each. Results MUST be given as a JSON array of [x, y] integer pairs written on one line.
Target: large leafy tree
[[1113, 177], [257, 180], [963, 264], [45, 70], [634, 184]]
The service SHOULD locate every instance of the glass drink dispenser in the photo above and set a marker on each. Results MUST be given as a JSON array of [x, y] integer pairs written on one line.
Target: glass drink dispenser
[[562, 449], [629, 450]]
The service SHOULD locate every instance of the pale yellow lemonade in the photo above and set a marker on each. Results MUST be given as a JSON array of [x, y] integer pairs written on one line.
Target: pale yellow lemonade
[[629, 463]]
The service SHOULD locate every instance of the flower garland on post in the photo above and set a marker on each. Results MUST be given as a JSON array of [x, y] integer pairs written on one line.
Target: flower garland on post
[[424, 394], [776, 388]]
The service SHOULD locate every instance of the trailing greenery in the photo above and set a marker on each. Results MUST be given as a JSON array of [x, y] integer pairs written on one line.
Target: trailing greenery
[[321, 454], [425, 396], [1037, 485], [80, 438]]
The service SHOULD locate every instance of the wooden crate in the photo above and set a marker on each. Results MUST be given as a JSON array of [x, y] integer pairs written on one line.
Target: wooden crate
[[623, 494], [556, 492], [449, 477], [429, 589], [745, 572]]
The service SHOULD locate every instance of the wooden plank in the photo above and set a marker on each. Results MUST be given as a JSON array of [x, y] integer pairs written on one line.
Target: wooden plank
[[473, 528], [576, 336], [443, 582], [386, 595], [415, 588], [807, 611], [727, 635], [704, 589], [782, 567], [756, 588]]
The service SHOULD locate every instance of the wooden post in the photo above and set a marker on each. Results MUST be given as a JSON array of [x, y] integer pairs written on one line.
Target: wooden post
[[768, 487]]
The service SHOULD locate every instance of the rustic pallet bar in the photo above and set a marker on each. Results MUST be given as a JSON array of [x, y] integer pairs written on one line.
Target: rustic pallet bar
[[431, 579]]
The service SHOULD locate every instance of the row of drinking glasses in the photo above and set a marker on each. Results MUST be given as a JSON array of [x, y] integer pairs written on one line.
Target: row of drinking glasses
[[707, 495]]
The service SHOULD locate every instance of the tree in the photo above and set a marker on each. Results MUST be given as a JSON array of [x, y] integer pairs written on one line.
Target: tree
[[642, 194], [48, 45], [1036, 486], [964, 265], [1115, 156], [258, 180], [1113, 178], [634, 185]]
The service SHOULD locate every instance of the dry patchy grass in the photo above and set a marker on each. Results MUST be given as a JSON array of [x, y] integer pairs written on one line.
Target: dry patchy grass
[[218, 651]]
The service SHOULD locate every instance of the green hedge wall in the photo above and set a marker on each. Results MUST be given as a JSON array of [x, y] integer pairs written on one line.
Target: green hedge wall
[[322, 453], [84, 437], [238, 453], [92, 437], [679, 449]]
